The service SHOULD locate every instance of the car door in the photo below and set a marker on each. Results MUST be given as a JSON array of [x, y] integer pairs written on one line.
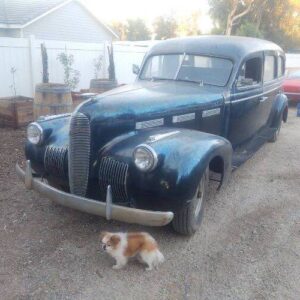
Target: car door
[[245, 101], [272, 81]]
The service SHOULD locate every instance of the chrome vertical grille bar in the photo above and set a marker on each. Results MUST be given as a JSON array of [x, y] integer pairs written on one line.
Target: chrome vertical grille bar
[[79, 154]]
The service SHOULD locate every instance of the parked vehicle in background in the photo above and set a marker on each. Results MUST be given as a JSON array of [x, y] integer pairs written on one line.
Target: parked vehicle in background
[[144, 153], [291, 86]]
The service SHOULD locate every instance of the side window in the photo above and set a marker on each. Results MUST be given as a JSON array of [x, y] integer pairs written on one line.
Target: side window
[[280, 68], [250, 73], [270, 69]]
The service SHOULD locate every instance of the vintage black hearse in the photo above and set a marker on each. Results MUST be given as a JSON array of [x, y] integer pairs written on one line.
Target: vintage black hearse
[[143, 153]]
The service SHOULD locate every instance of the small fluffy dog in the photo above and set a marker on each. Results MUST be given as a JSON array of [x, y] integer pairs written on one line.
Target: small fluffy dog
[[122, 246]]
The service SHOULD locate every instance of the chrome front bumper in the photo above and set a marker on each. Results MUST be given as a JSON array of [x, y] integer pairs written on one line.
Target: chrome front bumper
[[103, 209]]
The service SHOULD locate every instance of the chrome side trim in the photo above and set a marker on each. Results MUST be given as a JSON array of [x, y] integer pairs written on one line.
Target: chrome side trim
[[119, 213], [292, 93], [255, 96], [150, 123], [158, 137], [211, 112], [184, 118]]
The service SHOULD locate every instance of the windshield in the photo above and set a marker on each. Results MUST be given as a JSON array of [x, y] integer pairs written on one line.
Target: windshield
[[294, 75], [187, 67]]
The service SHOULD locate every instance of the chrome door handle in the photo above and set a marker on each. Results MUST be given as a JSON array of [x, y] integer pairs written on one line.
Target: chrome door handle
[[263, 99]]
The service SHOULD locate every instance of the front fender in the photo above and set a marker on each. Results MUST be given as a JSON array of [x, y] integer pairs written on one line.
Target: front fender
[[183, 156], [279, 110], [56, 132]]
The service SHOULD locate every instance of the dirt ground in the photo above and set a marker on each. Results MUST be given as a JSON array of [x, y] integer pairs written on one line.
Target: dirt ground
[[248, 246]]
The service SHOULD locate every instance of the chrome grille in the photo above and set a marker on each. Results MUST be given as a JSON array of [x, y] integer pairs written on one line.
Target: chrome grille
[[54, 160], [79, 154], [114, 173]]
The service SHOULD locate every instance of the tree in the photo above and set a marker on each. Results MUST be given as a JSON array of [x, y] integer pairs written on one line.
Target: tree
[[275, 20], [121, 29], [238, 9], [249, 29], [164, 27], [279, 20], [137, 30], [189, 25]]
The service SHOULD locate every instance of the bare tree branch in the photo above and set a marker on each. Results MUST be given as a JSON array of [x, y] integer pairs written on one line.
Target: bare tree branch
[[232, 18], [246, 11]]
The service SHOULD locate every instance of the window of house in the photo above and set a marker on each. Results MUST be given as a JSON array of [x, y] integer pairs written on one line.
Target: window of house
[[270, 65], [250, 73]]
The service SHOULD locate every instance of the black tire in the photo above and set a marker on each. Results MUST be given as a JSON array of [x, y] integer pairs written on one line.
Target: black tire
[[188, 220], [275, 135]]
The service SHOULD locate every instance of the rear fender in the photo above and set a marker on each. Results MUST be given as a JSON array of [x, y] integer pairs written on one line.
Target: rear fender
[[279, 110]]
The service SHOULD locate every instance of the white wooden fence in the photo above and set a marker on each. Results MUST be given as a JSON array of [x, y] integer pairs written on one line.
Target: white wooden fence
[[24, 55], [125, 55]]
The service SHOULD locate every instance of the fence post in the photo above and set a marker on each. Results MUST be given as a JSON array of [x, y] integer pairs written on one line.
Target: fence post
[[105, 59], [31, 62]]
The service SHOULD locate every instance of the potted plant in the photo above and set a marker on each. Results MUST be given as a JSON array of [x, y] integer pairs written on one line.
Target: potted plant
[[15, 111], [55, 98], [104, 84]]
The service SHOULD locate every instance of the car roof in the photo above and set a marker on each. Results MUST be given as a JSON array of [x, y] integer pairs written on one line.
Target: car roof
[[233, 47]]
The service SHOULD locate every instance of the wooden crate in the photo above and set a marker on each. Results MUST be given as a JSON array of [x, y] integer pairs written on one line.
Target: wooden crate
[[16, 111]]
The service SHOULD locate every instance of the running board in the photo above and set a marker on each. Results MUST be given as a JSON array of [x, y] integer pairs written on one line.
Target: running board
[[243, 153]]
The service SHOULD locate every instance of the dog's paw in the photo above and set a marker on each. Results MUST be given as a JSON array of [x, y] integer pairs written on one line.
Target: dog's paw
[[117, 267], [149, 269]]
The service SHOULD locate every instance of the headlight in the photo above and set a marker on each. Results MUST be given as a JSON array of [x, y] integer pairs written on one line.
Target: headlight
[[34, 133], [145, 158]]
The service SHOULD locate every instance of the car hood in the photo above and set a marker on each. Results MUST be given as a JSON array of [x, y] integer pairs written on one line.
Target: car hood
[[147, 100]]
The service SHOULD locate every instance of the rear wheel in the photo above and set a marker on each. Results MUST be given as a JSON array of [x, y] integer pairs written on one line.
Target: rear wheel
[[188, 220], [275, 135]]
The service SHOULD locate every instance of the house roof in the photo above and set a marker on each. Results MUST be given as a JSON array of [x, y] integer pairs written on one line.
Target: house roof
[[21, 13]]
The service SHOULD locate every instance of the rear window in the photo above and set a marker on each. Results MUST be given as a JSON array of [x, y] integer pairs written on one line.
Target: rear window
[[269, 70], [280, 67]]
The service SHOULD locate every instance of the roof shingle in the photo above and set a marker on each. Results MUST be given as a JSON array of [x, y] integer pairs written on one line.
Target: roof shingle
[[20, 12]]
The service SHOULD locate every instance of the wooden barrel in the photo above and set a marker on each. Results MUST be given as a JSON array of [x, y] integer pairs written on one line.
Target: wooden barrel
[[102, 85], [51, 99]]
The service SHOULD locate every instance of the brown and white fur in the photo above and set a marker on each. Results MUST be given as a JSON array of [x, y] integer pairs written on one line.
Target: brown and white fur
[[121, 246]]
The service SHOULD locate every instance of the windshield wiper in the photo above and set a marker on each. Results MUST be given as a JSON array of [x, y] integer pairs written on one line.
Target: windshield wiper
[[153, 78], [200, 83]]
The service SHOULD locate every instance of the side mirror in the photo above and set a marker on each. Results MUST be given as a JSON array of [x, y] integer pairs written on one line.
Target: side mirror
[[135, 69]]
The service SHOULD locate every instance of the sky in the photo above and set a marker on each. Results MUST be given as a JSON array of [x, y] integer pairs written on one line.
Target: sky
[[114, 10]]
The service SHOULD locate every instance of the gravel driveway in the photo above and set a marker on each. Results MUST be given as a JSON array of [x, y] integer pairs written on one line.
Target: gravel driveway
[[248, 246]]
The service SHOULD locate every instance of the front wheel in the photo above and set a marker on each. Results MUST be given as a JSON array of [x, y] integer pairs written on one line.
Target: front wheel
[[188, 220]]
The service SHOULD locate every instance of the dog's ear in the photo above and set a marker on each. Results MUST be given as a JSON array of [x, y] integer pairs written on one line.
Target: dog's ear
[[115, 239], [103, 234]]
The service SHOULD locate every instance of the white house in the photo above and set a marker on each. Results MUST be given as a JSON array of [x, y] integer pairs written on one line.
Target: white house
[[61, 20]]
